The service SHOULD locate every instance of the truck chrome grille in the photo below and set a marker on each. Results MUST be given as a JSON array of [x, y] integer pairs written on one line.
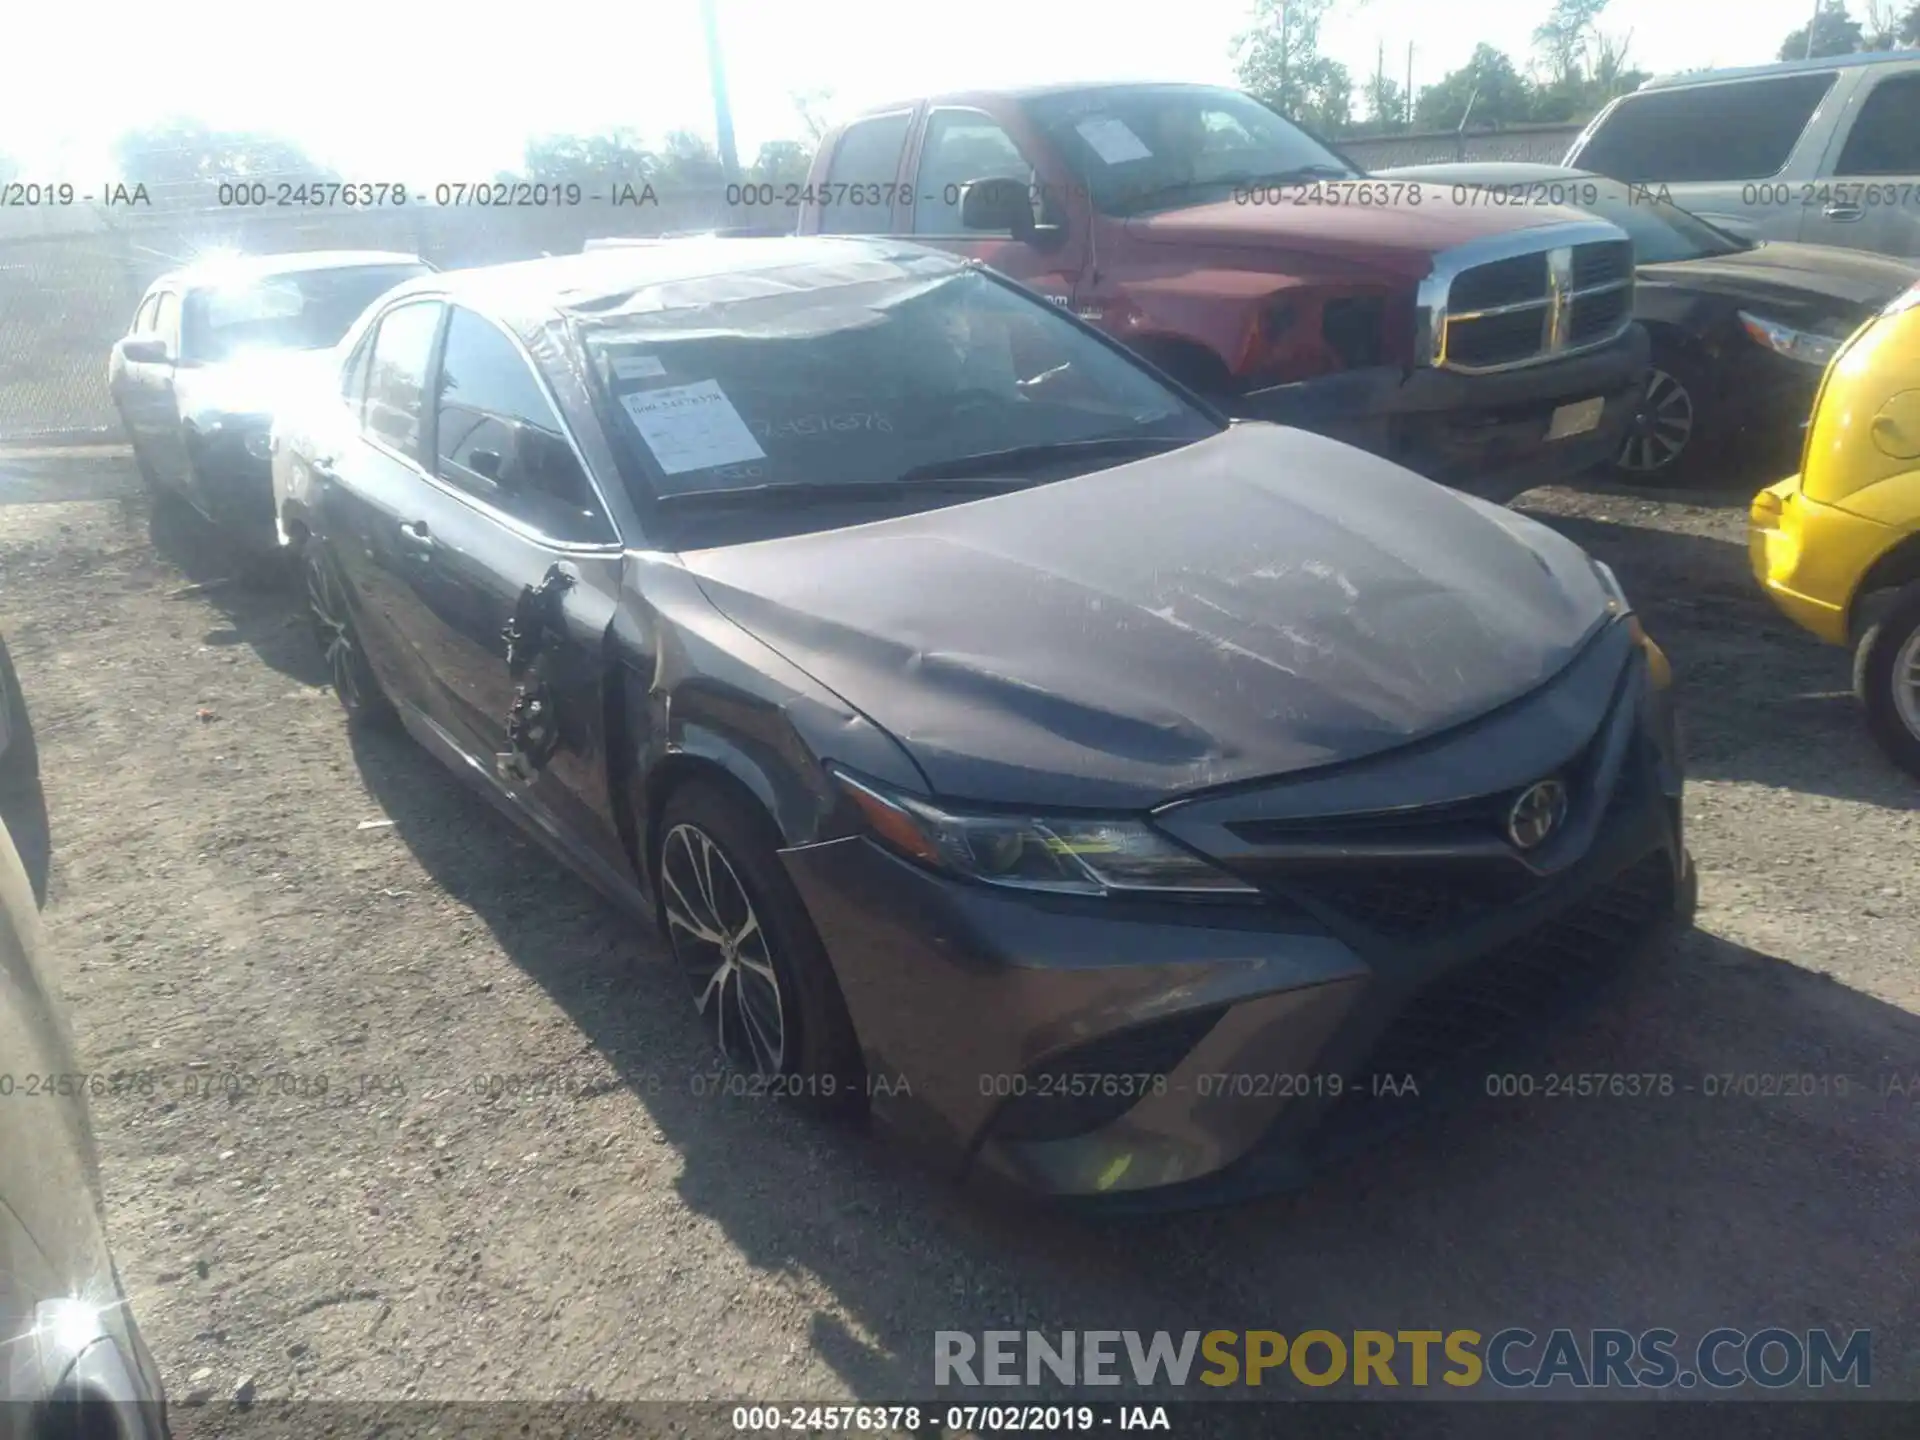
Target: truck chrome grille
[[1524, 309]]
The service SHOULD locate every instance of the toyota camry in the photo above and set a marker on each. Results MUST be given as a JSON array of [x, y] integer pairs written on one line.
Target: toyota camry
[[1115, 799]]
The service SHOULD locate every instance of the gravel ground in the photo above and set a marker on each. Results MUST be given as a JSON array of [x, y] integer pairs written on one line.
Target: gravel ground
[[589, 1225]]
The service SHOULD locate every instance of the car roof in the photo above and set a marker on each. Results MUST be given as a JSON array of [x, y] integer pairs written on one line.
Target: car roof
[[1782, 67], [1029, 92], [526, 295], [230, 268]]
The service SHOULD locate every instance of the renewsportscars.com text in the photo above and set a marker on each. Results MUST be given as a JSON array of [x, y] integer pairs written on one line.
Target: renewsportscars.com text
[[1510, 1359]]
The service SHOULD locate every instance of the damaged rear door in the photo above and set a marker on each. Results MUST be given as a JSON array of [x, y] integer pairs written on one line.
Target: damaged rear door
[[517, 576]]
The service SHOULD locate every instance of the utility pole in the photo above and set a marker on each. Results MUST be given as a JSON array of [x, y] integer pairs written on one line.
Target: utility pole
[[1409, 85], [722, 110], [1380, 81], [1817, 5]]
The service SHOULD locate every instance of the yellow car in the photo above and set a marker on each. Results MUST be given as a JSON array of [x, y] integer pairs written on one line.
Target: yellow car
[[1838, 545]]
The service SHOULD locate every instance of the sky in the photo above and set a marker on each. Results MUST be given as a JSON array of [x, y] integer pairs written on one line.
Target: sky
[[383, 90]]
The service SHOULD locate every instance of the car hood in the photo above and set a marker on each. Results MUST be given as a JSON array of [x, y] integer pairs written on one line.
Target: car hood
[[1400, 238], [257, 383], [1261, 602], [1802, 279]]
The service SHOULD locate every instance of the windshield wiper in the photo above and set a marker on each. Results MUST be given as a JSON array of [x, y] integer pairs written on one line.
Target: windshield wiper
[[998, 462]]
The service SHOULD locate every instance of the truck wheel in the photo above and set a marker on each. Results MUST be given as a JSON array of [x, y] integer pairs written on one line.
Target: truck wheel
[[1664, 441], [1886, 677], [761, 981]]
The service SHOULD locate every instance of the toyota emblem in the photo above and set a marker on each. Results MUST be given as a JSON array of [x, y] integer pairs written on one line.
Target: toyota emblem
[[1537, 814]]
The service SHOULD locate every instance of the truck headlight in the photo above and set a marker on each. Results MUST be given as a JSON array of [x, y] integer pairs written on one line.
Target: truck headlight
[[1806, 346], [1065, 855]]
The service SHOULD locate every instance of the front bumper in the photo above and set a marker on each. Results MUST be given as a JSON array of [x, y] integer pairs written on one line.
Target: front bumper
[[1810, 557], [233, 475], [1169, 1053], [1484, 434]]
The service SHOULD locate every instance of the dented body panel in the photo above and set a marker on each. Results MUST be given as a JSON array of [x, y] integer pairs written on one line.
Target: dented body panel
[[1248, 626]]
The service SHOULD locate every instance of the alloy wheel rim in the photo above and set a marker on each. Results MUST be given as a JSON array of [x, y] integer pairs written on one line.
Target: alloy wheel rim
[[325, 604], [719, 942], [1906, 683], [1661, 429]]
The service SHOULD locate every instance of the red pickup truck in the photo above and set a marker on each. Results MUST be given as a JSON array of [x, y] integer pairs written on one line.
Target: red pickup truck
[[1490, 346]]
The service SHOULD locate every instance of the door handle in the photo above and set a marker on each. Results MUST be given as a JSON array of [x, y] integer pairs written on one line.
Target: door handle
[[1843, 213], [414, 536]]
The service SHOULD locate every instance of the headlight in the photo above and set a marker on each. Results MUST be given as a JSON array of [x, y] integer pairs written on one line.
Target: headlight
[[1801, 345], [1074, 856]]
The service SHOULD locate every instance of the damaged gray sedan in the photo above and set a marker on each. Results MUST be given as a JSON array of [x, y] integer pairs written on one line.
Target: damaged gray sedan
[[1109, 798]]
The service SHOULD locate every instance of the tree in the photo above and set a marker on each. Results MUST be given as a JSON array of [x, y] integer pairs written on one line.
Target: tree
[[1385, 101], [181, 160], [812, 106], [616, 157], [1834, 33], [1563, 39], [1279, 60], [781, 162], [1499, 93], [689, 163], [1910, 26], [1880, 30]]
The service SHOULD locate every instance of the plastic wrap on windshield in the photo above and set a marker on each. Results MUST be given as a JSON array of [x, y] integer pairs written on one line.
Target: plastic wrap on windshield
[[682, 309]]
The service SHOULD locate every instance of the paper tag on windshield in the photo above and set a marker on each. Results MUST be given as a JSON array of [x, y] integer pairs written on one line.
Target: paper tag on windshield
[[1112, 141], [637, 367], [691, 427]]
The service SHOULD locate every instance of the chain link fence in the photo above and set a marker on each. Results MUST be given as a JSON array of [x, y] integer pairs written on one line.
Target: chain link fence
[[71, 277], [1536, 144]]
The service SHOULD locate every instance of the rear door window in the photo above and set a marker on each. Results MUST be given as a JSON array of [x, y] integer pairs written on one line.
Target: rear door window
[[862, 176], [1885, 139], [397, 375], [166, 319], [1738, 130]]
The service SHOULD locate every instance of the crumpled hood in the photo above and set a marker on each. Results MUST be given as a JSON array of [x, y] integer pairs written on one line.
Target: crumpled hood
[[257, 383], [1807, 280], [1261, 602]]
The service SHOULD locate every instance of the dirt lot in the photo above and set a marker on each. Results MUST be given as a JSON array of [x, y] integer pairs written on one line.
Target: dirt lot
[[595, 1225]]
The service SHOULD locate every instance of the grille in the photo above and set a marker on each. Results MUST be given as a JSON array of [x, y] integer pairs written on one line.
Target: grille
[[1099, 1082], [1478, 1010], [1411, 901], [1498, 314], [1602, 264], [1595, 317]]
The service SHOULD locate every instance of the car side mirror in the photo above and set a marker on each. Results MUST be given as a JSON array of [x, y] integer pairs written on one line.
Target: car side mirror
[[144, 350], [998, 204]]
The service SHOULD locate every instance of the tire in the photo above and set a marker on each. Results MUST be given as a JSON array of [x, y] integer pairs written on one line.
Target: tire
[[1886, 678], [1674, 432], [740, 989], [354, 683]]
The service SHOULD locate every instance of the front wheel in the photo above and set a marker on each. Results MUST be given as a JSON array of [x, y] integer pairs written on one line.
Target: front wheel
[[1886, 677], [354, 682], [1662, 444], [761, 982]]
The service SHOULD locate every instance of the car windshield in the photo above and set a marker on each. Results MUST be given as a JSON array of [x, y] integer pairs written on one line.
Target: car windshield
[[800, 392], [301, 310], [1661, 231], [1146, 147]]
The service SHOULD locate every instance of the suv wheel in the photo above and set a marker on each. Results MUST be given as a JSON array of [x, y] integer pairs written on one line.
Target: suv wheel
[[1886, 677]]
